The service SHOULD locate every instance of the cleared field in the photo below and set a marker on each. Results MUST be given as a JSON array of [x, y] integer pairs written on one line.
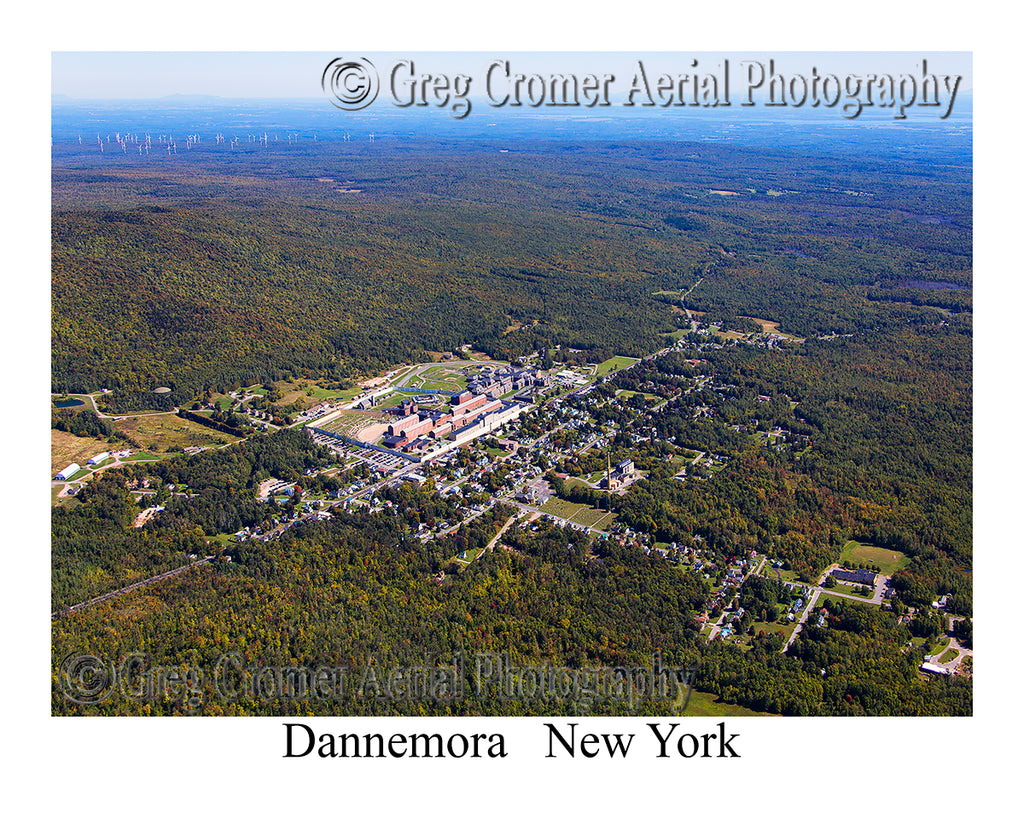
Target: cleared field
[[824, 597], [66, 448], [166, 431], [702, 704], [887, 560], [614, 363], [771, 327], [310, 392]]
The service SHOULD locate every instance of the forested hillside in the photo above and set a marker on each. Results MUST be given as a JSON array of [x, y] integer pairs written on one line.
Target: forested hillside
[[214, 269]]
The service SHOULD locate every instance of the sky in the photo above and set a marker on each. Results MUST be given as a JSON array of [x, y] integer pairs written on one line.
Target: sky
[[234, 74]]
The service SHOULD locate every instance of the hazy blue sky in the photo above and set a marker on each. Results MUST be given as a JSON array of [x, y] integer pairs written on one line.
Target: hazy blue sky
[[140, 75]]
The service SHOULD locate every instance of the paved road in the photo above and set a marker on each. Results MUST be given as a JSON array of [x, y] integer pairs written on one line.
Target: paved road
[[716, 627], [811, 601]]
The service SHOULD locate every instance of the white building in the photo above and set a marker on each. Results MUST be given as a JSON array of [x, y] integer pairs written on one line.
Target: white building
[[67, 472], [98, 459]]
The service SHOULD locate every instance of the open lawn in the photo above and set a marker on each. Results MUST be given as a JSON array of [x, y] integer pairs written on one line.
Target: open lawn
[[66, 448], [614, 363], [470, 556], [887, 560], [166, 431]]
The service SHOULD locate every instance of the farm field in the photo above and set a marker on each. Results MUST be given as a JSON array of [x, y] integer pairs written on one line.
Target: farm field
[[66, 448]]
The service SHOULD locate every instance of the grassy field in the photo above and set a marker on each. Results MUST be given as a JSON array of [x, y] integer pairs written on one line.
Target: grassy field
[[166, 431], [824, 597], [441, 378], [579, 513], [772, 327], [887, 560], [775, 628], [561, 508], [702, 704], [310, 392], [948, 656], [594, 518], [614, 363], [787, 575], [66, 448], [630, 393]]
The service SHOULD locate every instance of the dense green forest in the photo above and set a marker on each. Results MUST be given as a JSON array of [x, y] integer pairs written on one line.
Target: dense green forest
[[226, 269], [356, 591], [241, 268]]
